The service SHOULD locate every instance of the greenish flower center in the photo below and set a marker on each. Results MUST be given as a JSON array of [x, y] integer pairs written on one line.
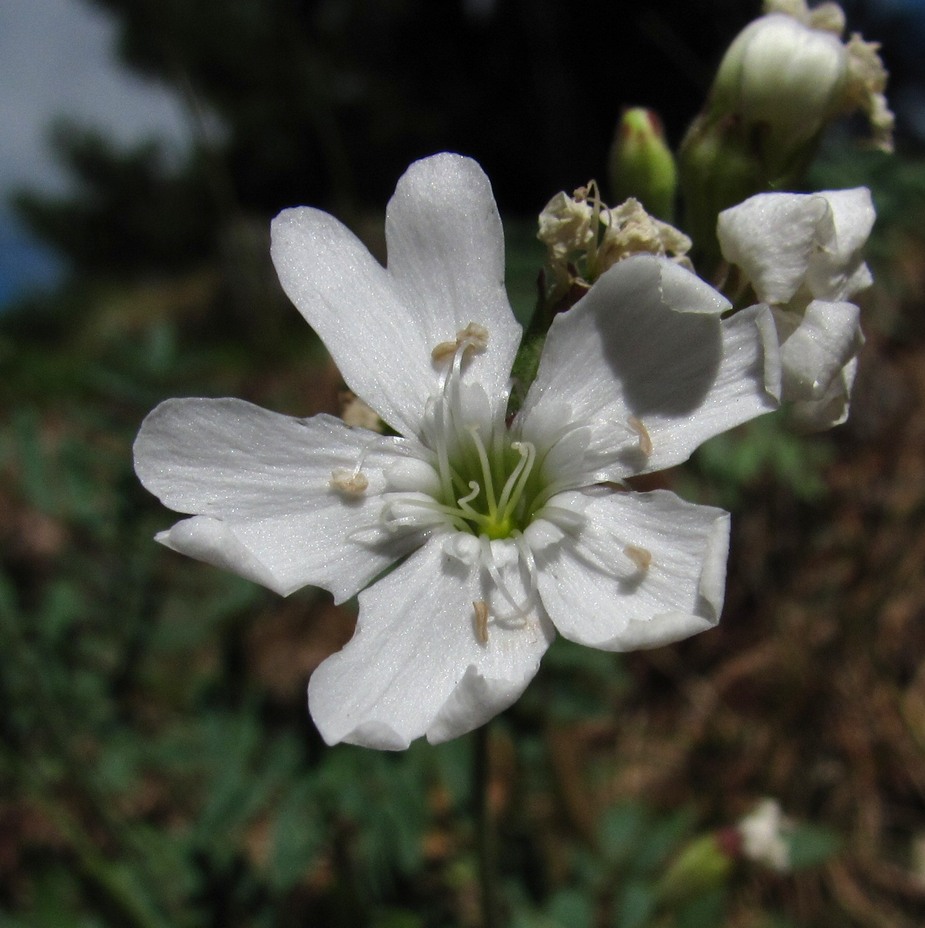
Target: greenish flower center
[[488, 489]]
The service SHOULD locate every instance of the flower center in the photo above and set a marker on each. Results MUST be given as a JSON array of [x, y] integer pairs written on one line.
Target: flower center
[[485, 486], [488, 480]]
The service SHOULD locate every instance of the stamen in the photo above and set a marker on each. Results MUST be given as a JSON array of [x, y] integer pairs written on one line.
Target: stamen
[[514, 487], [481, 620], [488, 562], [351, 482], [442, 351], [473, 336], [443, 461], [486, 469], [527, 558], [641, 557], [566, 519], [645, 441]]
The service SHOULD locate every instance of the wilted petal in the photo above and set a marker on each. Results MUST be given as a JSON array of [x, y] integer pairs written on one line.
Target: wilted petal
[[832, 407], [645, 570], [264, 482], [446, 269], [647, 344], [837, 270], [787, 243], [772, 238], [416, 664], [816, 346]]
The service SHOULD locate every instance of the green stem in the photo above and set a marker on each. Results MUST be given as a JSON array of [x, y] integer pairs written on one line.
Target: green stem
[[485, 832]]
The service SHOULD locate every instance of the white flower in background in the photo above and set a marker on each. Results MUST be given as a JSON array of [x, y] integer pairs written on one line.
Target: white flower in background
[[789, 74], [763, 833], [498, 532], [803, 255]]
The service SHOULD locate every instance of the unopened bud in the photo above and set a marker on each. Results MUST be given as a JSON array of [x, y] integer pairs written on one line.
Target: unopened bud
[[785, 78], [702, 865], [641, 165]]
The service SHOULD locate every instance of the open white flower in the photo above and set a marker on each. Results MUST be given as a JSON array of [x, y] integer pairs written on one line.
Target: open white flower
[[508, 530], [803, 255], [764, 834]]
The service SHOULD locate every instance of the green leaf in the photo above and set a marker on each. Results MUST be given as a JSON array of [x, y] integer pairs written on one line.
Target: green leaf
[[811, 845]]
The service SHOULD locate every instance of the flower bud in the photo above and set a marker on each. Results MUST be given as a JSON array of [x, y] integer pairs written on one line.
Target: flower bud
[[704, 864], [788, 74], [784, 79], [641, 165]]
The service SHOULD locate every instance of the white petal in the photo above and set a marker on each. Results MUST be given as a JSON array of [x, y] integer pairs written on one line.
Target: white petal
[[837, 271], [446, 253], [213, 542], [446, 257], [832, 407], [647, 342], [596, 595], [353, 304], [772, 237], [264, 482], [785, 242], [416, 665], [826, 337]]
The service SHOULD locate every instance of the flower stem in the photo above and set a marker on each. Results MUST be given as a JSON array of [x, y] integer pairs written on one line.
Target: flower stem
[[485, 832]]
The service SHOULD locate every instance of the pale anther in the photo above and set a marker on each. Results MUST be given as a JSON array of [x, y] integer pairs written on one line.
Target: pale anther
[[351, 482], [443, 351], [641, 557], [481, 620], [473, 336], [645, 441]]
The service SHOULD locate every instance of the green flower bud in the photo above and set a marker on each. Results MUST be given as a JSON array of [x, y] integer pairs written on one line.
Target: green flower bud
[[702, 865], [641, 165]]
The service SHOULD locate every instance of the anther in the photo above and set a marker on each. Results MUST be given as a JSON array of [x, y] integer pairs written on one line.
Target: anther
[[641, 557], [481, 620], [443, 351], [350, 482], [645, 441], [473, 336]]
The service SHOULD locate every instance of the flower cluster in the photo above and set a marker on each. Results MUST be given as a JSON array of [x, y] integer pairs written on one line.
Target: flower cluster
[[802, 254], [471, 536]]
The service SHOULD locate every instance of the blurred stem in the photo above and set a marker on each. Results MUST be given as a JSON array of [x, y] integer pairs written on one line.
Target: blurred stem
[[485, 832]]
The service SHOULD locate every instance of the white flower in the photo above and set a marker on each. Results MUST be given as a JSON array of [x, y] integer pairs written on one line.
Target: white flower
[[508, 531], [763, 833], [803, 254]]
